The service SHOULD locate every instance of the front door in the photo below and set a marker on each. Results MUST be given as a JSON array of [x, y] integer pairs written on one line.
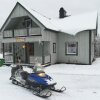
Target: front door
[[29, 49], [20, 52]]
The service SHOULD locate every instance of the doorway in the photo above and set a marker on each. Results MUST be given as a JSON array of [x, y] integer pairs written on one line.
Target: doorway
[[19, 52]]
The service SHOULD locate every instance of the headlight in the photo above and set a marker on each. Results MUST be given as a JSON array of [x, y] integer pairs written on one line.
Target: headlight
[[41, 74]]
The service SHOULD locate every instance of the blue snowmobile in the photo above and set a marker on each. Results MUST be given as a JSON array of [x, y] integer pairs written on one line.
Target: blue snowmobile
[[38, 81]]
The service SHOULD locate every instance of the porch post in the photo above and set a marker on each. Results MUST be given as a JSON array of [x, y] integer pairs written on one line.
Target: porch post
[[3, 49], [13, 47], [43, 56], [90, 47], [26, 53]]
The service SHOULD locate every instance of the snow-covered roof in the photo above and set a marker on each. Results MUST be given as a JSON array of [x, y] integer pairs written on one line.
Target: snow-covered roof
[[74, 24], [70, 25]]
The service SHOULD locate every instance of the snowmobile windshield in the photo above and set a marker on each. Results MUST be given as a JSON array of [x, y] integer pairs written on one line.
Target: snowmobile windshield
[[38, 69]]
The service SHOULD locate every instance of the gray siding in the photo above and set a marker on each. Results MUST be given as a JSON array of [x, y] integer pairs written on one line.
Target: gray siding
[[52, 37], [93, 35], [83, 48], [97, 46], [19, 12]]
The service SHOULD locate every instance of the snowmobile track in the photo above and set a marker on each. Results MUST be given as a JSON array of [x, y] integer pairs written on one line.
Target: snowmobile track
[[42, 93]]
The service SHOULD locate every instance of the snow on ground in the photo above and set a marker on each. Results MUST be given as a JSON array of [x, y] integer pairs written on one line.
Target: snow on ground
[[82, 83]]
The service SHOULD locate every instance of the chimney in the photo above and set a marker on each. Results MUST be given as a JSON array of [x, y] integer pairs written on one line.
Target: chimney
[[62, 13]]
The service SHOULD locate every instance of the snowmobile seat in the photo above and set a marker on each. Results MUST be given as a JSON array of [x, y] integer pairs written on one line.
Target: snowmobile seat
[[24, 75], [14, 69]]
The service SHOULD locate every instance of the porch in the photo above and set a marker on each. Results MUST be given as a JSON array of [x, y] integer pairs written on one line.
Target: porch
[[28, 52]]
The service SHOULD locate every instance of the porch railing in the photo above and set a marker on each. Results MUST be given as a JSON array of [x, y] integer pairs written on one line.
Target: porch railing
[[8, 58], [47, 59], [33, 59]]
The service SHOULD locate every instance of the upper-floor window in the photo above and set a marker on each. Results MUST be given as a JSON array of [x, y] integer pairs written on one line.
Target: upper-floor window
[[28, 23]]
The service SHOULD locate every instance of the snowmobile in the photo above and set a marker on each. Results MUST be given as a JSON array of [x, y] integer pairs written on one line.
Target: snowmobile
[[38, 82]]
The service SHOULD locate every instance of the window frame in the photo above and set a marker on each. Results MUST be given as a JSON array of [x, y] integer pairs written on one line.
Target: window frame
[[54, 47], [28, 23], [66, 48]]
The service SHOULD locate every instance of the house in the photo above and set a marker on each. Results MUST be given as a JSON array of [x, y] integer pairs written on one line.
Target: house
[[97, 46], [30, 36]]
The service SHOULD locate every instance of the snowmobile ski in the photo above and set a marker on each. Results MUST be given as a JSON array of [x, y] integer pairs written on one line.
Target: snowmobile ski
[[43, 93], [58, 90]]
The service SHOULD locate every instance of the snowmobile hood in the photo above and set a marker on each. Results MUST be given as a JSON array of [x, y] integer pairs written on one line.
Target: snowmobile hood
[[40, 80]]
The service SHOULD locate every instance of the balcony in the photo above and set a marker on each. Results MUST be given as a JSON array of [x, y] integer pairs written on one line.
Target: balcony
[[8, 34], [34, 31], [22, 32]]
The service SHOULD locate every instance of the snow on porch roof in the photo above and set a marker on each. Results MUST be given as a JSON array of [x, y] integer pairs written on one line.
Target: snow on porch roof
[[70, 25]]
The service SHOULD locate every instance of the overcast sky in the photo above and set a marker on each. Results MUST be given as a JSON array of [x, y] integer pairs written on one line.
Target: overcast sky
[[50, 8]]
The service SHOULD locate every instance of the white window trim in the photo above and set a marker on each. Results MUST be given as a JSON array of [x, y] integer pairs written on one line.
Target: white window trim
[[66, 49]]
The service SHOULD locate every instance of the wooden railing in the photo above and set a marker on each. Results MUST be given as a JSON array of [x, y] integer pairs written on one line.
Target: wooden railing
[[8, 33], [22, 32], [34, 31], [8, 58]]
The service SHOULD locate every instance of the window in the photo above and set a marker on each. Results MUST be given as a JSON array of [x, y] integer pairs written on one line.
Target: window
[[28, 23], [8, 52], [54, 47], [71, 48]]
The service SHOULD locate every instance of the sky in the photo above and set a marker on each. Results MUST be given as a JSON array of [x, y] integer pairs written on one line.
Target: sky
[[50, 8]]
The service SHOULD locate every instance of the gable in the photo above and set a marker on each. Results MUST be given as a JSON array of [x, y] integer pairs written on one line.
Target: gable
[[21, 11], [18, 12]]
